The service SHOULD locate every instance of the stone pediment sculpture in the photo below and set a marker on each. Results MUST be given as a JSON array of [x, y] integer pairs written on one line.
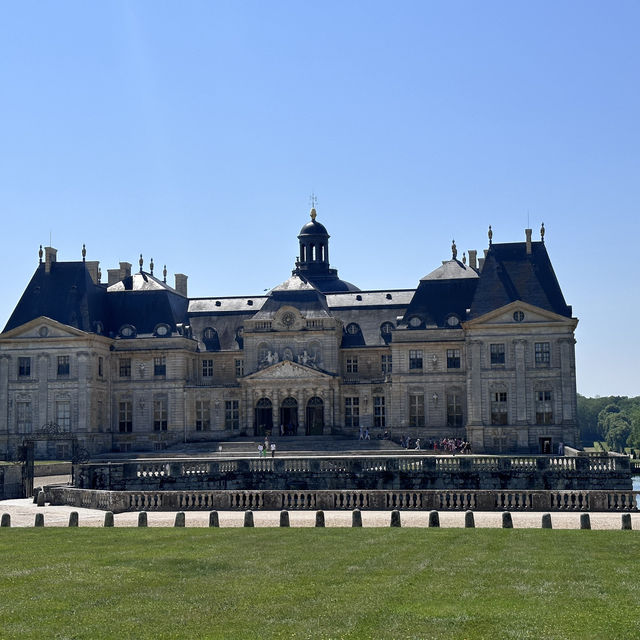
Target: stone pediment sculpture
[[287, 370], [44, 327]]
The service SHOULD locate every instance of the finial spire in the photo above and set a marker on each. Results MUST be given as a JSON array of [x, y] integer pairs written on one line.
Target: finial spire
[[542, 232], [464, 257], [40, 254], [490, 234], [99, 274], [151, 267], [84, 252], [313, 201], [164, 274], [141, 262], [454, 250]]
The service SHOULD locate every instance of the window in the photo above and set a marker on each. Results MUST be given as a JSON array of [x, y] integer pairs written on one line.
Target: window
[[454, 409], [544, 410], [499, 407], [386, 329], [125, 367], [232, 414], [386, 364], [416, 410], [24, 367], [453, 358], [497, 354], [239, 368], [160, 366], [63, 366], [378, 412], [353, 329], [100, 366], [23, 417], [160, 414], [352, 365], [352, 412], [125, 416], [203, 413], [415, 359], [63, 414], [518, 316], [207, 368], [543, 354]]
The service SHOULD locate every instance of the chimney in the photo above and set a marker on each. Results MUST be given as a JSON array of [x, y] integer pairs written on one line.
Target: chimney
[[92, 268], [527, 233], [473, 258], [113, 276], [125, 270], [480, 263], [50, 256], [181, 284]]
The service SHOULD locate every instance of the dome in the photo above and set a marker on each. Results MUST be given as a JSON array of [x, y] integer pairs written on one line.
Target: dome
[[313, 228]]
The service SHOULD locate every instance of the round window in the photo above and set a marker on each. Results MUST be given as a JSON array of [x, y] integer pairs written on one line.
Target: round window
[[518, 316], [386, 328], [415, 321], [453, 321], [353, 329]]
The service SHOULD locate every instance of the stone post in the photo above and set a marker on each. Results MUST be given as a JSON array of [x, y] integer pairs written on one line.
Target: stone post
[[40, 501], [248, 518], [213, 519], [284, 518], [142, 519], [395, 519], [319, 518], [39, 522], [434, 519], [507, 522], [585, 521], [356, 518], [469, 521], [73, 519], [179, 519], [6, 520], [626, 521], [108, 519], [546, 521]]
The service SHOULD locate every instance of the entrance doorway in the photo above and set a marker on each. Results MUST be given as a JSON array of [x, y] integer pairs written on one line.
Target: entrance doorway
[[263, 417], [545, 445], [289, 416], [315, 417]]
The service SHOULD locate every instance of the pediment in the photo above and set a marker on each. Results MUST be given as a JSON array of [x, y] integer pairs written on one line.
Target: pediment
[[528, 313], [43, 328], [287, 370]]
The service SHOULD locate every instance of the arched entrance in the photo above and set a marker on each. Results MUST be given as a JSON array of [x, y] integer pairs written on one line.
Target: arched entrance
[[315, 416], [263, 417], [289, 416]]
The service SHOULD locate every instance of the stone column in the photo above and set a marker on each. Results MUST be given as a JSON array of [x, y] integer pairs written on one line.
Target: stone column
[[82, 422], [567, 378], [521, 382], [4, 400], [474, 386], [43, 389]]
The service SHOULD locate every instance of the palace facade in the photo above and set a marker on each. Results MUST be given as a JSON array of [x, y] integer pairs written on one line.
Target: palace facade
[[482, 349]]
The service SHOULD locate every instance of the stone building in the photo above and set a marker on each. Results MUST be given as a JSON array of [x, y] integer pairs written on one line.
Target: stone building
[[481, 349]]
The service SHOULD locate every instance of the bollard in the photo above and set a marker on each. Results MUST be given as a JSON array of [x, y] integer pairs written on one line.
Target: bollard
[[356, 518], [626, 522], [6, 520], [39, 520], [395, 519], [284, 518], [213, 519], [40, 501], [179, 519], [36, 491], [469, 521], [585, 521], [248, 518], [507, 522], [319, 518], [108, 519], [434, 519], [73, 519], [142, 519], [546, 521]]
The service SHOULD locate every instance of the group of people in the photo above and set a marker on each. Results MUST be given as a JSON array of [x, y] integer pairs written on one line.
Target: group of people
[[263, 449], [449, 445]]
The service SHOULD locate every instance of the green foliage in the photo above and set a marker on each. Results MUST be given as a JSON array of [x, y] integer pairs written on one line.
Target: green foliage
[[319, 583], [614, 419]]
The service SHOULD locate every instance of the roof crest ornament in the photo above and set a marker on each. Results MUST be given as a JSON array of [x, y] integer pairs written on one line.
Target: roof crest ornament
[[40, 254], [151, 267], [141, 262], [84, 252], [313, 201], [164, 274], [464, 258], [490, 234], [454, 250], [542, 232]]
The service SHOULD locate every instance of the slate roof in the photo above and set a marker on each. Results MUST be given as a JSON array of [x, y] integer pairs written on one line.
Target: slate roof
[[510, 274]]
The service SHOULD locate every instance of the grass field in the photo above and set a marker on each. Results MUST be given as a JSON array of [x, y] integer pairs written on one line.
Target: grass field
[[318, 583]]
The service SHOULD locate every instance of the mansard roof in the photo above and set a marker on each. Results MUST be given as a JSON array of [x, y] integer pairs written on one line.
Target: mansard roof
[[510, 273]]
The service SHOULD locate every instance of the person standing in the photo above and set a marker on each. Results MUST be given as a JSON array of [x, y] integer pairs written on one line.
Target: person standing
[[260, 449], [273, 449]]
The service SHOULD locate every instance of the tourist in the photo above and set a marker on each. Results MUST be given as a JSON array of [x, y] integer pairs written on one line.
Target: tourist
[[361, 433], [417, 444], [273, 449], [367, 435], [260, 449]]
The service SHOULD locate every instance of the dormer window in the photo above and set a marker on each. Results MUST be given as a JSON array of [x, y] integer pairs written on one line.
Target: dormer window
[[162, 330], [353, 329], [453, 321], [127, 331]]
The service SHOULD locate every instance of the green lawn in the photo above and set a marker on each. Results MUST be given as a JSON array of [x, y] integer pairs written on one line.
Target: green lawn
[[318, 583]]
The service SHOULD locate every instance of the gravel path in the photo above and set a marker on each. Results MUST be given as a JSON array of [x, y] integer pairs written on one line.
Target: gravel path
[[23, 512]]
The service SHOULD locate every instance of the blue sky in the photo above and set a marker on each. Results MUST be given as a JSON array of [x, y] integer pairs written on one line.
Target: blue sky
[[194, 132]]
